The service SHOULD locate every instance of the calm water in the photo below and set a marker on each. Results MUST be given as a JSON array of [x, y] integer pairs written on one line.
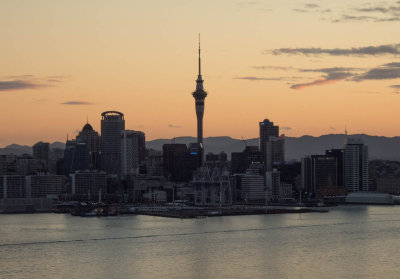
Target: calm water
[[347, 242]]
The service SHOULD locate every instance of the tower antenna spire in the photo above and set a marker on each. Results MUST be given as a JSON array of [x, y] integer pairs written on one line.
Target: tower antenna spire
[[199, 57]]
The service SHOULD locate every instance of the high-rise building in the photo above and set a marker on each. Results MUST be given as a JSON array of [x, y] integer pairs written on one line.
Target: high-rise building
[[178, 162], [42, 186], [241, 161], [41, 154], [273, 184], [92, 140], [12, 187], [322, 175], [250, 186], [355, 165], [8, 164], [90, 183], [274, 152], [112, 125], [272, 146], [132, 146], [76, 156], [199, 96], [267, 130]]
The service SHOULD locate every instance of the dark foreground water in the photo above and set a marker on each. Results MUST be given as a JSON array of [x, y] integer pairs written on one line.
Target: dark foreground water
[[347, 242]]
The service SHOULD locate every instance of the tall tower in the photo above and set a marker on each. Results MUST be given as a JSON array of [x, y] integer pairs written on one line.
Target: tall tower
[[199, 96], [355, 165], [112, 125]]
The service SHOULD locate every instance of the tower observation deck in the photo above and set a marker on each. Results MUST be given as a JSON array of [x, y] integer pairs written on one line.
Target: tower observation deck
[[199, 96]]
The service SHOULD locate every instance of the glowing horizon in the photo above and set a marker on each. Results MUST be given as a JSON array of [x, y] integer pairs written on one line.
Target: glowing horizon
[[312, 68]]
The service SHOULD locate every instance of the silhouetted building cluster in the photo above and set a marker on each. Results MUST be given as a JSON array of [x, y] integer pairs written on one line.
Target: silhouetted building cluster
[[115, 165]]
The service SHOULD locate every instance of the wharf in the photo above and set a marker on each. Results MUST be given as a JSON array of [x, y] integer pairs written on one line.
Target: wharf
[[214, 212]]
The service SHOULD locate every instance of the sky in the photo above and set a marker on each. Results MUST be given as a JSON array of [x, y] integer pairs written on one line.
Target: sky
[[312, 67]]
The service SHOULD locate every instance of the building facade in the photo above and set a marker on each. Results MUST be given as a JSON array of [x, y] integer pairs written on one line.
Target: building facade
[[356, 165], [112, 125]]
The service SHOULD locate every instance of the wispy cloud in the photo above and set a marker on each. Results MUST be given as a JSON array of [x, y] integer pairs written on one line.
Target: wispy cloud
[[385, 71], [257, 78], [321, 81], [9, 85], [311, 5], [393, 49], [76, 103], [332, 75], [283, 68], [311, 8], [374, 13], [24, 82], [286, 128], [174, 126]]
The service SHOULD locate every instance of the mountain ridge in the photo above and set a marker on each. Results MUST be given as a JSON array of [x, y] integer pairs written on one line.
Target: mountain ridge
[[380, 147]]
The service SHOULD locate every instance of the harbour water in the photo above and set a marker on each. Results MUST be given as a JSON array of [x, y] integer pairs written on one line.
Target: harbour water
[[346, 242]]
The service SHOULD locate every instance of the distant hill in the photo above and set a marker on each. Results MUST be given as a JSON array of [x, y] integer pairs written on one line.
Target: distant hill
[[379, 147], [25, 149], [384, 148]]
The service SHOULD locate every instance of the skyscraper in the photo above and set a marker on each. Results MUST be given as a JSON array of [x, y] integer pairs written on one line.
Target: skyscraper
[[132, 144], [199, 96], [41, 154], [355, 165], [267, 130], [272, 147], [112, 125], [92, 140]]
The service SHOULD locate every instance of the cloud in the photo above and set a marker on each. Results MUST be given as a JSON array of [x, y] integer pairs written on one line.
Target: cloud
[[76, 103], [397, 86], [283, 68], [174, 126], [9, 85], [311, 5], [381, 13], [321, 81], [286, 128], [332, 128], [332, 75], [23, 82], [386, 71], [329, 70], [257, 78], [393, 49]]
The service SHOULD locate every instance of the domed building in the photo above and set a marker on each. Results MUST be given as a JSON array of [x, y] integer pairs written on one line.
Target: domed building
[[92, 139]]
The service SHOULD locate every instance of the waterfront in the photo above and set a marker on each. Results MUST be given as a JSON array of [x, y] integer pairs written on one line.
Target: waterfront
[[347, 242]]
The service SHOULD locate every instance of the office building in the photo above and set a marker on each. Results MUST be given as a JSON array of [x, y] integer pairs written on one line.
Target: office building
[[273, 184], [132, 151], [112, 125], [41, 154], [355, 165], [240, 161], [89, 183], [43, 186], [12, 187], [322, 175], [274, 152], [76, 156], [267, 130], [92, 139]]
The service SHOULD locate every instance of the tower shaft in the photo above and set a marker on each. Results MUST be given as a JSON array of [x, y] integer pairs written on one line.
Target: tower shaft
[[199, 96]]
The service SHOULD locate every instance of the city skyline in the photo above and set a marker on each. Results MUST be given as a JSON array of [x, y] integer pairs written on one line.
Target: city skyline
[[63, 63]]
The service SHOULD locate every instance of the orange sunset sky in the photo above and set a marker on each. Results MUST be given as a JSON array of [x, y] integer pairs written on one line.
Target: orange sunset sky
[[312, 67]]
